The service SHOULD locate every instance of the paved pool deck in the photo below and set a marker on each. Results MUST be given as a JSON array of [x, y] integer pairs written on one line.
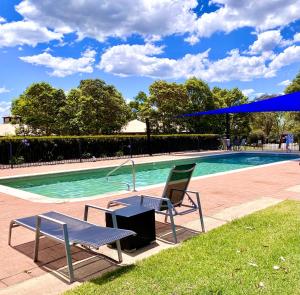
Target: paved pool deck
[[224, 197]]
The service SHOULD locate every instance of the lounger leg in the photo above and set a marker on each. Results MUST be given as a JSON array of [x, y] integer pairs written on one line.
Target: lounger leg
[[68, 253], [166, 218], [119, 251], [172, 222], [200, 212], [37, 238], [11, 225]]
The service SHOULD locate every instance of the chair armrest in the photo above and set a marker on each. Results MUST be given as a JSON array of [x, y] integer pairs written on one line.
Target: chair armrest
[[41, 216], [187, 193], [181, 190], [149, 197], [63, 225], [112, 212]]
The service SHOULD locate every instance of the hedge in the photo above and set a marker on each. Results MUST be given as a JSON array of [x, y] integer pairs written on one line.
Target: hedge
[[19, 150]]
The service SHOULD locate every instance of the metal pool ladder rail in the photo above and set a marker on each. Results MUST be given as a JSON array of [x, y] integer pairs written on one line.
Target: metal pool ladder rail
[[132, 171]]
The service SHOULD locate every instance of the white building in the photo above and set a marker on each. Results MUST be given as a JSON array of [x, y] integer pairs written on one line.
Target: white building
[[8, 129], [134, 126]]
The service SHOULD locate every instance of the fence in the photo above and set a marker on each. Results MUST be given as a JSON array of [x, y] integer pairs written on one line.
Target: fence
[[32, 151]]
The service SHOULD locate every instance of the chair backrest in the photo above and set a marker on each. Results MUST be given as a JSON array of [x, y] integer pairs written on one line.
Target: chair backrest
[[179, 178]]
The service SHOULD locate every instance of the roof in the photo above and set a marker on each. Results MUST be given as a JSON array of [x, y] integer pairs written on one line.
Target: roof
[[284, 103], [7, 129], [134, 126]]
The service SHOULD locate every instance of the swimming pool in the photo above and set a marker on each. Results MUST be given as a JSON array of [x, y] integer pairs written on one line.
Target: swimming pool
[[87, 183]]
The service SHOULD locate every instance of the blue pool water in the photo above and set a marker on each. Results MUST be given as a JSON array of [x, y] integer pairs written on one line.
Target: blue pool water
[[93, 182]]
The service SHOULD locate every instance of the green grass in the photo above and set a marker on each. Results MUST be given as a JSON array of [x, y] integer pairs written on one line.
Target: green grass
[[234, 259]]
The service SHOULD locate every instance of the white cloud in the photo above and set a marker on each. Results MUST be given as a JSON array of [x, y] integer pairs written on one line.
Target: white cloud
[[289, 56], [266, 41], [192, 39], [126, 60], [4, 90], [261, 15], [248, 92], [25, 33], [103, 19], [144, 60], [284, 83], [141, 60], [2, 20], [4, 107], [64, 66], [297, 37]]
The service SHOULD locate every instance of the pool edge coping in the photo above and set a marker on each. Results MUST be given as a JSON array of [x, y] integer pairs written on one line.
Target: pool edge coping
[[33, 197]]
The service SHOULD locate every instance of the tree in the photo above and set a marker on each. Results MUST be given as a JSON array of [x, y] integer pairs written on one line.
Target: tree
[[294, 87], [165, 102], [102, 109], [137, 105], [200, 98], [92, 108], [71, 113], [239, 123], [39, 106]]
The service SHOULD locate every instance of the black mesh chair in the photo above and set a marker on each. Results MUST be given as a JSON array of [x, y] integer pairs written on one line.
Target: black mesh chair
[[173, 197]]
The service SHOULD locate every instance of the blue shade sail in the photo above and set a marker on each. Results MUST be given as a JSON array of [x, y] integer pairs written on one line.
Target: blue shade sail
[[283, 103]]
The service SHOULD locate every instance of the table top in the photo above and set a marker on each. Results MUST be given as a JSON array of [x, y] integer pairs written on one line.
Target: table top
[[132, 210]]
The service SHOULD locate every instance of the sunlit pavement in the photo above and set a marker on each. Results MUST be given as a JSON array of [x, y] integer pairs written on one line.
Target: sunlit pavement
[[223, 198]]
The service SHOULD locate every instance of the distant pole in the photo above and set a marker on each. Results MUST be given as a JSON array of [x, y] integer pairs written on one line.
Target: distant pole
[[148, 137], [227, 126]]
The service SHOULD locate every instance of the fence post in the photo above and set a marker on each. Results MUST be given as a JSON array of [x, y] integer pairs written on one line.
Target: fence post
[[148, 137], [11, 155], [79, 150], [130, 147]]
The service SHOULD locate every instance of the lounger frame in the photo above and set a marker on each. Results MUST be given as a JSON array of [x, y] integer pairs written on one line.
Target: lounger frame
[[65, 240]]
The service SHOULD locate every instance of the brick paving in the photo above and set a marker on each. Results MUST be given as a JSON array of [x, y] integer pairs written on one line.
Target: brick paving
[[217, 193]]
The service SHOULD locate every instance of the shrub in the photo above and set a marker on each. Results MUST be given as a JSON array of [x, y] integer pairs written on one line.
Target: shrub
[[256, 135], [54, 148]]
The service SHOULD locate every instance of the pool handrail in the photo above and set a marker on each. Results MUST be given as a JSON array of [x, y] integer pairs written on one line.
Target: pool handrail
[[132, 171]]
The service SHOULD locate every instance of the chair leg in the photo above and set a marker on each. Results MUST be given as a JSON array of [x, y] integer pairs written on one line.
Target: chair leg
[[172, 221], [68, 254], [173, 226], [11, 225], [166, 218], [119, 251], [37, 239], [200, 212]]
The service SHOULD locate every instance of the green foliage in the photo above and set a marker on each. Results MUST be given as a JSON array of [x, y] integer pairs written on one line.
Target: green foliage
[[294, 86], [115, 136], [17, 160], [237, 258], [200, 98], [256, 135], [137, 105], [52, 148], [102, 108], [92, 108], [166, 101], [239, 123], [39, 107]]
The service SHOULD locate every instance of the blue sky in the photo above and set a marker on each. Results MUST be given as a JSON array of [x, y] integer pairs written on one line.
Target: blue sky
[[130, 43]]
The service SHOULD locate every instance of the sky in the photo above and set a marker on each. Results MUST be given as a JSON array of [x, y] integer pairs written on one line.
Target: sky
[[250, 44]]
